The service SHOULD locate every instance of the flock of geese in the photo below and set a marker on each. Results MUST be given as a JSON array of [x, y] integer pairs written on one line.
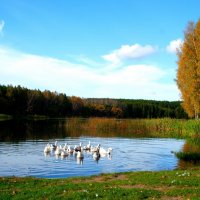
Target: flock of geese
[[78, 150]]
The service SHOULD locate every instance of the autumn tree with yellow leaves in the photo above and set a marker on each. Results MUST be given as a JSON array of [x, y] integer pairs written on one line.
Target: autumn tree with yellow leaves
[[188, 73]]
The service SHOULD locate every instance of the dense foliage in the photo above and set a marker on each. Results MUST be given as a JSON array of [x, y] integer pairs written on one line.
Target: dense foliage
[[188, 74], [22, 101]]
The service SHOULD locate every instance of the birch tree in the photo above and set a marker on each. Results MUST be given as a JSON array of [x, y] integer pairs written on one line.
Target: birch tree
[[188, 73]]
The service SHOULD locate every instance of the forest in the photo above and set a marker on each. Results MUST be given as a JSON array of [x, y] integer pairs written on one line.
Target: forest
[[20, 101]]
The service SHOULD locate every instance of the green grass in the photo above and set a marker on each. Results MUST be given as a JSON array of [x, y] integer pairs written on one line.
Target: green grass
[[188, 156], [177, 184], [4, 117], [37, 117]]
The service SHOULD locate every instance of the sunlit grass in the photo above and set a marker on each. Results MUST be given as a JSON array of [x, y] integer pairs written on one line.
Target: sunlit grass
[[177, 184]]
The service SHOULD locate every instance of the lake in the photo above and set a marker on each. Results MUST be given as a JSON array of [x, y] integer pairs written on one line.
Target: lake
[[22, 143]]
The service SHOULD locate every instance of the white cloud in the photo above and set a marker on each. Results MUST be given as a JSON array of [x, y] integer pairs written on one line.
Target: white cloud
[[2, 23], [133, 81], [137, 82], [129, 52], [174, 45]]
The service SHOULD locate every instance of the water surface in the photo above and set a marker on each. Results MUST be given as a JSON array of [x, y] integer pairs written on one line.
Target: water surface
[[26, 158]]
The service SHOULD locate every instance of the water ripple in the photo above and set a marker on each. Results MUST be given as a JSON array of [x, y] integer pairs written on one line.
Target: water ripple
[[27, 159]]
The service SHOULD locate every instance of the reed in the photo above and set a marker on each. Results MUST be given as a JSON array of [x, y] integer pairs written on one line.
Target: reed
[[165, 127], [162, 128], [188, 156], [4, 117]]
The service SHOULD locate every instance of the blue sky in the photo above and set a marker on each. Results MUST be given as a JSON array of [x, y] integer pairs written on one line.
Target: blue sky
[[102, 48]]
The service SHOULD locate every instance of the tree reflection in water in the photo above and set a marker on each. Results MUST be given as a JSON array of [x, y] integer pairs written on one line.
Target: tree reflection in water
[[190, 146], [18, 130]]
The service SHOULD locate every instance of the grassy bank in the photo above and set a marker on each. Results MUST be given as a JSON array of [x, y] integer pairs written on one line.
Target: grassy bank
[[177, 184]]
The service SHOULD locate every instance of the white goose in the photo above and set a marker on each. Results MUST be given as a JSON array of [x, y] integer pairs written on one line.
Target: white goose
[[65, 147], [58, 150], [95, 149], [54, 146], [78, 148], [87, 147], [70, 149], [102, 151], [47, 148], [64, 153]]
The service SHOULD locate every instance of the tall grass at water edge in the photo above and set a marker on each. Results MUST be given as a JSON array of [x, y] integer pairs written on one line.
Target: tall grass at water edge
[[165, 127], [4, 117], [162, 128]]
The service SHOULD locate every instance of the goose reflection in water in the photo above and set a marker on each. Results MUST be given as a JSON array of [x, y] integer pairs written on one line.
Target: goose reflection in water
[[47, 154], [79, 161], [96, 158]]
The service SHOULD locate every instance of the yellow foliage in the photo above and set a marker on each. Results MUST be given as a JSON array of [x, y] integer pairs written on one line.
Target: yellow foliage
[[188, 73]]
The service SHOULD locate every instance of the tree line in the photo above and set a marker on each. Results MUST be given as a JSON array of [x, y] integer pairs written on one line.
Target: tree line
[[20, 101]]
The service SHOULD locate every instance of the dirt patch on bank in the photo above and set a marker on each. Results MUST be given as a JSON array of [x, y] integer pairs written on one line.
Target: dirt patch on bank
[[100, 179], [141, 186]]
